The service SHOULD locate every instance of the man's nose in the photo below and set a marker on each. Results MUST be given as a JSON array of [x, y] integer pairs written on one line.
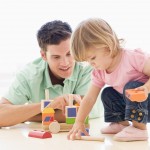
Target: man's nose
[[64, 61]]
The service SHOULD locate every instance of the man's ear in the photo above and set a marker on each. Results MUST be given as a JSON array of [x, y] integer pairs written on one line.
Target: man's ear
[[43, 55]]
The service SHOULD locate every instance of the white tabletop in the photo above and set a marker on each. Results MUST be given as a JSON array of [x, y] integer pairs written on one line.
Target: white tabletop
[[16, 138]]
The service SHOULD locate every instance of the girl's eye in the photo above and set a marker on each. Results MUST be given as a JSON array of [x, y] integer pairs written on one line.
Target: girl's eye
[[68, 54]]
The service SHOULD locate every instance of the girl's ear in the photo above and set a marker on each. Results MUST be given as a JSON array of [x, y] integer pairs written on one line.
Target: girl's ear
[[43, 55]]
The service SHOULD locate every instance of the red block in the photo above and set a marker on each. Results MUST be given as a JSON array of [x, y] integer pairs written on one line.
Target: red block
[[39, 134]]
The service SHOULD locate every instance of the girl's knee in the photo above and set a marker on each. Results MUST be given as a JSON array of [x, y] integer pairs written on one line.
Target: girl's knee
[[133, 84]]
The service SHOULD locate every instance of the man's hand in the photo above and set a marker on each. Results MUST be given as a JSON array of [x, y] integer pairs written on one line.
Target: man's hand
[[62, 101]]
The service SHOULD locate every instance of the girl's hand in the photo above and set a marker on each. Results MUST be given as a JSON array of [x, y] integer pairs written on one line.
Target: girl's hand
[[143, 88], [76, 131]]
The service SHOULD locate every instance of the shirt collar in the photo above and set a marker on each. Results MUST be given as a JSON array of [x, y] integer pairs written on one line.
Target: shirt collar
[[48, 82]]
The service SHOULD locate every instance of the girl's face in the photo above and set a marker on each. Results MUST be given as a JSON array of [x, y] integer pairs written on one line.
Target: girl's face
[[99, 58]]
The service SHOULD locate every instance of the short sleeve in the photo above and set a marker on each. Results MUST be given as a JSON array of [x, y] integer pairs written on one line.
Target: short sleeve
[[97, 79], [18, 92], [137, 59]]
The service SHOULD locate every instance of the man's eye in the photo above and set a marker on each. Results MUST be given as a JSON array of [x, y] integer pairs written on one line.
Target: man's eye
[[56, 57]]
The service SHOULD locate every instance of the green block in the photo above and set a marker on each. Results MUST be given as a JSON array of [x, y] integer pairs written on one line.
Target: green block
[[70, 120]]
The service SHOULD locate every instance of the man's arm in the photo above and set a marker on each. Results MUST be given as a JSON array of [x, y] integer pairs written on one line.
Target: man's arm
[[59, 116], [13, 114]]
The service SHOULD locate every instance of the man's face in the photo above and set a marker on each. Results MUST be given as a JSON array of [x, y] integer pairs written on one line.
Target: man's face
[[59, 59]]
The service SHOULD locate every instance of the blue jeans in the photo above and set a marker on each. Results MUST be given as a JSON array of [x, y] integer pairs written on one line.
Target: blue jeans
[[117, 107]]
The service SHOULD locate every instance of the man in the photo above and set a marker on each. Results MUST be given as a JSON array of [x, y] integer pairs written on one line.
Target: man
[[56, 71]]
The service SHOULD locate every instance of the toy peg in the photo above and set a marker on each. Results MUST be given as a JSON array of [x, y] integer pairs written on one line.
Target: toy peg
[[70, 100], [47, 97], [90, 138]]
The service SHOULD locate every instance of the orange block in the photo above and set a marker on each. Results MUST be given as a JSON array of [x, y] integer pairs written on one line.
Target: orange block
[[46, 115], [136, 95]]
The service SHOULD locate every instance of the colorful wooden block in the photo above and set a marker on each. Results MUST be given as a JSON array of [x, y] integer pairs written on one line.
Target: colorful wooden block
[[70, 120], [48, 119], [47, 116], [48, 111], [45, 103], [71, 111]]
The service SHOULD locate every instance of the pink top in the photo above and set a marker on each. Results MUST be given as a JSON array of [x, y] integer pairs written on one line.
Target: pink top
[[129, 69]]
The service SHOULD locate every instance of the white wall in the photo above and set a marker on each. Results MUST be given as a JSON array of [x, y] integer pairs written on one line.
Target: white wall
[[20, 20]]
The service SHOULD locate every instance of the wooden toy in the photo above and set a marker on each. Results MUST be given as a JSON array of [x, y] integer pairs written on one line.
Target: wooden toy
[[64, 127], [45, 103], [54, 127], [90, 138], [47, 116], [71, 111], [39, 134], [136, 95], [47, 100], [70, 100], [47, 94], [48, 122]]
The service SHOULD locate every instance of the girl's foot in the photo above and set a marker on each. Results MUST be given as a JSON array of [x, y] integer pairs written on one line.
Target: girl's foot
[[131, 133], [112, 128]]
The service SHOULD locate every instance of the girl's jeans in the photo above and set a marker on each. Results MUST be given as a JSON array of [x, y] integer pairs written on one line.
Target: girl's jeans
[[117, 107]]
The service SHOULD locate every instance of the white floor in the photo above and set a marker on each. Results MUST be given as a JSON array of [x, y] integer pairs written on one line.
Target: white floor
[[16, 137]]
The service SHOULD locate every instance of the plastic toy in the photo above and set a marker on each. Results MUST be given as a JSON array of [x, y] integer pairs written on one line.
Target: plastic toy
[[136, 95]]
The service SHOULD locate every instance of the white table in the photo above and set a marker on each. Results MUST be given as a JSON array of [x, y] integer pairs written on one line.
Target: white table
[[16, 138]]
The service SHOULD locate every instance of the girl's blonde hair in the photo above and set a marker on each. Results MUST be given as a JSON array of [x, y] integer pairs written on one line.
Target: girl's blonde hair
[[93, 32]]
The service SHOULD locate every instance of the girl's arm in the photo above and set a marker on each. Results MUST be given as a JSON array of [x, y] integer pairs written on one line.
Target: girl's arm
[[146, 71], [146, 86], [84, 109]]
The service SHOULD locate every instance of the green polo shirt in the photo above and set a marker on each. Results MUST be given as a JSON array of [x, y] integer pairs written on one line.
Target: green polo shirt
[[30, 83]]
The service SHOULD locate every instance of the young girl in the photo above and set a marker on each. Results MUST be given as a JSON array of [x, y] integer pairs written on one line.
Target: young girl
[[94, 41]]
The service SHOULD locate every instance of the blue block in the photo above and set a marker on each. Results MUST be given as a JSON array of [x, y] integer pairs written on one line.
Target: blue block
[[87, 130], [72, 112], [46, 103], [47, 119]]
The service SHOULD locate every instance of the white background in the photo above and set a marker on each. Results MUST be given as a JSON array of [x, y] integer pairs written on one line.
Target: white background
[[20, 20]]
